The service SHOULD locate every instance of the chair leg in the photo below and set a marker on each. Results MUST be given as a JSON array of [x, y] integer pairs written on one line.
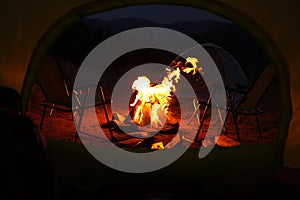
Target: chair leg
[[202, 121], [221, 120], [225, 120], [51, 111], [80, 110], [103, 99], [78, 124], [259, 130], [235, 117], [42, 119], [196, 108]]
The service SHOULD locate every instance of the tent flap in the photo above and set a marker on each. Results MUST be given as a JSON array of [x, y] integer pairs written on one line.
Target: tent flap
[[24, 23]]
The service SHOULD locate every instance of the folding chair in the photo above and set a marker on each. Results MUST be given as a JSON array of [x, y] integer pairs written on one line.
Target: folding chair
[[58, 93], [231, 72], [248, 105], [207, 105], [243, 100]]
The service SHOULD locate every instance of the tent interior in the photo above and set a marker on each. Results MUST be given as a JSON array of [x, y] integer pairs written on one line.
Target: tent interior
[[241, 38]]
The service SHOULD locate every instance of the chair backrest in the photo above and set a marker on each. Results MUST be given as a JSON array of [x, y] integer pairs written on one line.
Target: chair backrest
[[230, 70], [52, 82], [259, 87]]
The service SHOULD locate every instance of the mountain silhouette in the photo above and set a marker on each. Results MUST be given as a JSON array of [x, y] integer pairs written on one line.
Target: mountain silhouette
[[191, 28]]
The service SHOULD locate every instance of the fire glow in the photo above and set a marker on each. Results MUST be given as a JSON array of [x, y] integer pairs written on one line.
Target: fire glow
[[153, 98]]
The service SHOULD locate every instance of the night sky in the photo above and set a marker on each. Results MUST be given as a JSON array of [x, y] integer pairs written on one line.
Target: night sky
[[163, 14]]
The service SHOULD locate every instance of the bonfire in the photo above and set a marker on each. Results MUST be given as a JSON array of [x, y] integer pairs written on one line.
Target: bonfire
[[151, 99]]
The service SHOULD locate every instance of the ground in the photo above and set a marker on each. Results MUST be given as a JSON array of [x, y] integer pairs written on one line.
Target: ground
[[285, 181], [60, 125]]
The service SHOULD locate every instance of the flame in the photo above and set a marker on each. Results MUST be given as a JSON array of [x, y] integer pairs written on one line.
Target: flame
[[157, 97], [193, 68]]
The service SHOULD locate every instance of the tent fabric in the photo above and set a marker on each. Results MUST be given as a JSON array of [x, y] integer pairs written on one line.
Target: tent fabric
[[188, 169], [26, 23]]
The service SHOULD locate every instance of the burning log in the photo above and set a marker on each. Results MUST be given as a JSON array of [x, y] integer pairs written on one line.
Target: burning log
[[153, 114]]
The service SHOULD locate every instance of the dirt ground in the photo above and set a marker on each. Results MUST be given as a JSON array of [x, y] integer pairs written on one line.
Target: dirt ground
[[285, 182], [60, 124]]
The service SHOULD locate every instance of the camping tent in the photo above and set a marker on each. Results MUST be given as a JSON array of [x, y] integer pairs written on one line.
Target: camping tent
[[29, 27]]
